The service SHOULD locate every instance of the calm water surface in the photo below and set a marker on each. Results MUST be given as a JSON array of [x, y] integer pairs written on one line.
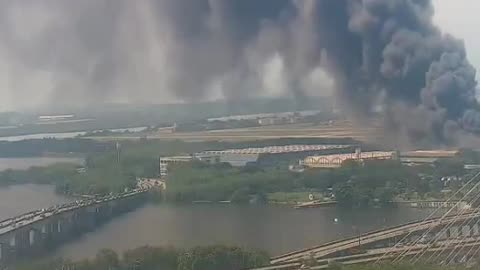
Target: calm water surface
[[63, 135], [274, 229], [271, 228], [25, 163], [19, 199]]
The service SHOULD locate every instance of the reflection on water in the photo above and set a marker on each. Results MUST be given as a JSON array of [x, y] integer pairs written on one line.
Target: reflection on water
[[274, 229], [25, 163], [19, 199]]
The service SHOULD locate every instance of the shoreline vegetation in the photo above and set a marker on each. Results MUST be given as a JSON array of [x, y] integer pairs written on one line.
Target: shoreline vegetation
[[165, 258], [110, 169], [375, 183], [200, 258]]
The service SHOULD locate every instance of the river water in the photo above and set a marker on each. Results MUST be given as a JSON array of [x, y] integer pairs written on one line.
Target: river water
[[19, 199], [272, 228], [63, 135], [275, 229], [25, 163]]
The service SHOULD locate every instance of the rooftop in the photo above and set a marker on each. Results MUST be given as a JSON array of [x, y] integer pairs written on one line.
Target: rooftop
[[430, 153], [277, 149], [336, 160]]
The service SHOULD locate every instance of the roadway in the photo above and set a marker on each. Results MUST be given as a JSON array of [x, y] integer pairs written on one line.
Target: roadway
[[15, 223]]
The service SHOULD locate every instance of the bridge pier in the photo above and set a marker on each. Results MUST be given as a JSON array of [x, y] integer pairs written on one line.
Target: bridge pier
[[32, 237], [82, 220], [13, 241], [4, 250]]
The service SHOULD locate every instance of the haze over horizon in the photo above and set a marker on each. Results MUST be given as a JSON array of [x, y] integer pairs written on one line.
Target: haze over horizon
[[395, 56], [455, 18]]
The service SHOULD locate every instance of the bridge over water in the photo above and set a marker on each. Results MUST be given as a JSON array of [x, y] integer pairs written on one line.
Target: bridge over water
[[451, 234], [34, 232]]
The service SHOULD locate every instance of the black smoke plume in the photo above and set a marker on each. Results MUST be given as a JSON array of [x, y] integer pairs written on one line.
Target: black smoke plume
[[383, 54]]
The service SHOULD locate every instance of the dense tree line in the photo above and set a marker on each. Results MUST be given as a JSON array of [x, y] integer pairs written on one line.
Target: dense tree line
[[101, 174], [69, 180], [375, 182], [153, 258]]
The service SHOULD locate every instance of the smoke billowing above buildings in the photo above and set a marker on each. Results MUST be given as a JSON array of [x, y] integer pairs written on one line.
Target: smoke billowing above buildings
[[369, 53]]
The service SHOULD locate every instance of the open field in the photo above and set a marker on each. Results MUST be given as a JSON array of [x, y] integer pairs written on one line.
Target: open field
[[337, 130]]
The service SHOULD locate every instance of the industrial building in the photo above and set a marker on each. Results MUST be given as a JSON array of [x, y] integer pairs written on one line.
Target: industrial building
[[262, 156], [409, 158], [166, 161], [426, 156], [273, 155], [336, 160]]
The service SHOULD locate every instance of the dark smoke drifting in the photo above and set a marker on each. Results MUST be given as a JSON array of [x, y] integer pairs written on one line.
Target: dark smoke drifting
[[380, 53]]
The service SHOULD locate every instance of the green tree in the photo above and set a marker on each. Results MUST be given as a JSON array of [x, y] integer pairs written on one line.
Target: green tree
[[151, 258], [450, 167], [241, 195], [344, 194], [220, 258], [107, 259]]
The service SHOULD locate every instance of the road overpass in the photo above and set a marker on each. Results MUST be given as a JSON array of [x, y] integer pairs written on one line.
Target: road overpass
[[376, 254], [380, 237], [39, 230], [455, 231]]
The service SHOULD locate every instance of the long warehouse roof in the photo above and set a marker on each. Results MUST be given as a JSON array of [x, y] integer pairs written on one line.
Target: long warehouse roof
[[277, 149]]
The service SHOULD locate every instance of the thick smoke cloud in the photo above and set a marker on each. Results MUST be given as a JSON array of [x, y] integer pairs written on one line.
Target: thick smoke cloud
[[379, 53]]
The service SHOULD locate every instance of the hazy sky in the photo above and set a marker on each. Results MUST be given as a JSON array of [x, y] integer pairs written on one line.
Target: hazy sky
[[461, 19], [457, 17]]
